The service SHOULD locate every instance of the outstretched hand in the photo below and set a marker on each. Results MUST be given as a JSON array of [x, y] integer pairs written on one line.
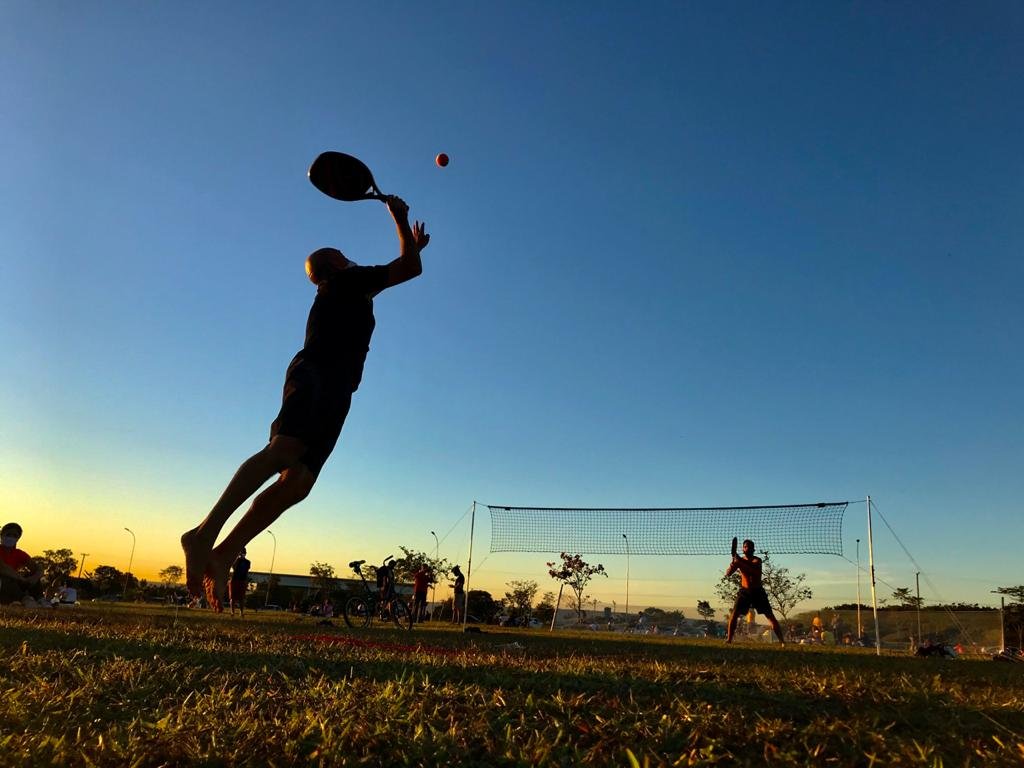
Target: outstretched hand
[[398, 207], [419, 234]]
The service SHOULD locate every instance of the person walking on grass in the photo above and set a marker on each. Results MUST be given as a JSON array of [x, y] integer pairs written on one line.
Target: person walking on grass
[[317, 394], [751, 594], [20, 575], [239, 583]]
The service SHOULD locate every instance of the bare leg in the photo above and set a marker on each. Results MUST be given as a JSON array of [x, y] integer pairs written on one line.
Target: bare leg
[[775, 626], [731, 630], [292, 486], [277, 456]]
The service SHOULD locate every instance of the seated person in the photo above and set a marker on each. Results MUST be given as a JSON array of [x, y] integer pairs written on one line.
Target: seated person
[[20, 575]]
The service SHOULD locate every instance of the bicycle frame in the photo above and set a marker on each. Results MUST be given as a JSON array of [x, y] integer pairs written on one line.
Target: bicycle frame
[[359, 610]]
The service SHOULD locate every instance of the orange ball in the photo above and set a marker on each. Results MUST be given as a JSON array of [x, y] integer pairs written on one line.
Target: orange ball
[[441, 160]]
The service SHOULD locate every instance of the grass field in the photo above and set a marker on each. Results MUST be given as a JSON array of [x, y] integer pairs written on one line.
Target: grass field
[[144, 687]]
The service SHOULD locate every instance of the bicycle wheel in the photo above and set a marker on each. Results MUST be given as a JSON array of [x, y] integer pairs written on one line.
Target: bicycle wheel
[[400, 614], [358, 612]]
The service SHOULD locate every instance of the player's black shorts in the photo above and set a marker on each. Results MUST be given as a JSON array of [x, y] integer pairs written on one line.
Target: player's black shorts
[[753, 598], [313, 409]]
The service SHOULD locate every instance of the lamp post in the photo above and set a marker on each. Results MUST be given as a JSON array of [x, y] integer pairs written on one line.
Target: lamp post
[[627, 579], [1002, 619], [860, 627], [273, 554], [81, 566], [433, 583], [917, 578], [131, 557]]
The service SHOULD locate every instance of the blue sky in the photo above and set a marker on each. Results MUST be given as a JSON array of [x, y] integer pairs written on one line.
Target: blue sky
[[684, 255]]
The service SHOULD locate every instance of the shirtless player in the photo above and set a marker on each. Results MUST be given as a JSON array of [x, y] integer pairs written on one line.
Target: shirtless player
[[751, 594]]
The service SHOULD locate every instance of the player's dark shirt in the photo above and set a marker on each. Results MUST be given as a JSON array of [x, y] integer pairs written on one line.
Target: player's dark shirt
[[341, 323], [240, 570]]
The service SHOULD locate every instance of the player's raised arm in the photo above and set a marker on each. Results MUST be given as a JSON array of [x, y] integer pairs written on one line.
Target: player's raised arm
[[411, 240]]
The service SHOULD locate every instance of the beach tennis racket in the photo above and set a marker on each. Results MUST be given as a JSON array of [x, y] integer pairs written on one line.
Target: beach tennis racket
[[735, 541], [343, 177]]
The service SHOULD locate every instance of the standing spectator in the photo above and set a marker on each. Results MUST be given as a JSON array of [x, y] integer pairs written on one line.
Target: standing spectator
[[420, 582], [20, 575], [239, 583], [459, 601]]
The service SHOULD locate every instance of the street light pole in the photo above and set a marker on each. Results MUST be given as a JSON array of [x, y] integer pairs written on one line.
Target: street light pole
[[627, 579], [81, 566], [131, 557], [433, 576], [270, 575]]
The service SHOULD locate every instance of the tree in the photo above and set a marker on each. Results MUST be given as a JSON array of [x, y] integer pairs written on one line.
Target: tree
[[906, 600], [1014, 616], [545, 608], [410, 562], [785, 592], [481, 605], [706, 612], [575, 573], [520, 598], [727, 588], [108, 579], [1015, 593], [659, 616], [322, 576], [171, 575], [57, 565]]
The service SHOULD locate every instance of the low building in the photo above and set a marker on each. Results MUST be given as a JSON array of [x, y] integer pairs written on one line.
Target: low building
[[306, 584]]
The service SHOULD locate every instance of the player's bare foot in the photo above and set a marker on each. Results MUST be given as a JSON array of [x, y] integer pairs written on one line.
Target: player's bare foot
[[197, 554], [215, 581], [210, 590]]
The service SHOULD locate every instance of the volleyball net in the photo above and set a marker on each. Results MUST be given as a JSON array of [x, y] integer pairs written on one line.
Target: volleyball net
[[781, 529]]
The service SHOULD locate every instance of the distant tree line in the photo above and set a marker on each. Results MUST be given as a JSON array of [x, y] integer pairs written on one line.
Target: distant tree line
[[935, 607]]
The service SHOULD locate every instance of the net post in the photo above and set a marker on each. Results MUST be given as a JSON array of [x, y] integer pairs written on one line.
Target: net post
[[469, 568], [626, 628], [874, 595], [1002, 623], [558, 604], [860, 624]]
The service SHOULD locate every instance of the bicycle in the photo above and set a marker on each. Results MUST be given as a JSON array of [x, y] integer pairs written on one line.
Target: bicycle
[[385, 604]]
